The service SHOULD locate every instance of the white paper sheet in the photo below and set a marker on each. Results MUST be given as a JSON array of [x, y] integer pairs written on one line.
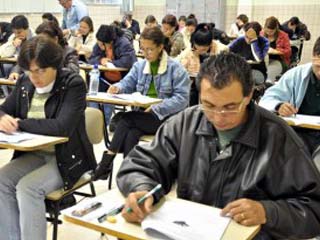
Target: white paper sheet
[[16, 137], [303, 119]]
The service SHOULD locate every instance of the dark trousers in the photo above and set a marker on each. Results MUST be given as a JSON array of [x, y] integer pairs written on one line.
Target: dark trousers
[[194, 94], [310, 137], [130, 128]]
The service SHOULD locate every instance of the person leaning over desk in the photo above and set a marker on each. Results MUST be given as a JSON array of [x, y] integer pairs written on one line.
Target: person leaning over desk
[[47, 100], [156, 76], [226, 153], [298, 91]]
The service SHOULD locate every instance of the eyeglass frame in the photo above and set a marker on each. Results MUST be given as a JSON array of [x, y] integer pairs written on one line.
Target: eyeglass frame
[[224, 111], [38, 71]]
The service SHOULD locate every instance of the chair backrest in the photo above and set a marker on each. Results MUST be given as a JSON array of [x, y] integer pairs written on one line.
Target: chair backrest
[[316, 157], [94, 125]]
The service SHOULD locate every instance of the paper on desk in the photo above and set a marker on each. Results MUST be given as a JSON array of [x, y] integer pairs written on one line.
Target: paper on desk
[[134, 97], [304, 119], [110, 65], [16, 137], [184, 220]]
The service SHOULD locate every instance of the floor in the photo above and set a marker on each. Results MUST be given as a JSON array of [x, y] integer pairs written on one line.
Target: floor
[[68, 231]]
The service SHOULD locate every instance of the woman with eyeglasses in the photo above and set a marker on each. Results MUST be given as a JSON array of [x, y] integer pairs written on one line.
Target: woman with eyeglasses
[[157, 76], [202, 46], [174, 43], [47, 100]]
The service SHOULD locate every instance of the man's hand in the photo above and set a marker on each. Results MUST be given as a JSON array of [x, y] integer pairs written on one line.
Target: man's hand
[[17, 42], [286, 110], [104, 61], [139, 212], [246, 212], [251, 34], [113, 90], [8, 124], [14, 76]]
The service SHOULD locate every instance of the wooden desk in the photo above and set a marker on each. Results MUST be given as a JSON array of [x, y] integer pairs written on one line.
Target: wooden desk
[[8, 60], [129, 231], [7, 82], [34, 144], [88, 67], [314, 123]]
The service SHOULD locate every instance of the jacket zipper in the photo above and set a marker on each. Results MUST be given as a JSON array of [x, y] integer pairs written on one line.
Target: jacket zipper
[[75, 164]]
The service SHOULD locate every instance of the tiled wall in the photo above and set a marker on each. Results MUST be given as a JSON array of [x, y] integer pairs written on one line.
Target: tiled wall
[[307, 10]]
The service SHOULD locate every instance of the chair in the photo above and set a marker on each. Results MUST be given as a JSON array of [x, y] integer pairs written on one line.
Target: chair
[[94, 128], [316, 157]]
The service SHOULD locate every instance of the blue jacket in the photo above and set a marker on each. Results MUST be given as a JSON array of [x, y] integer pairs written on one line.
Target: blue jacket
[[124, 54], [291, 88], [171, 83]]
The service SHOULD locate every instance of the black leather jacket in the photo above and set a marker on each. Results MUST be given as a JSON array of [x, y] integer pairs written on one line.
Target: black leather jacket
[[64, 112], [267, 162]]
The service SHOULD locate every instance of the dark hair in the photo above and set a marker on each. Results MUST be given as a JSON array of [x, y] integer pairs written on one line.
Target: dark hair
[[294, 20], [254, 25], [108, 33], [244, 18], [150, 19], [52, 30], [50, 17], [43, 50], [128, 16], [191, 22], [153, 34], [224, 68], [316, 48], [88, 21], [19, 22], [182, 18], [170, 20], [202, 36], [191, 15]]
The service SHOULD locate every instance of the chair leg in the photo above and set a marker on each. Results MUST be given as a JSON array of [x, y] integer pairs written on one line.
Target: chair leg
[[55, 221], [110, 177], [93, 190]]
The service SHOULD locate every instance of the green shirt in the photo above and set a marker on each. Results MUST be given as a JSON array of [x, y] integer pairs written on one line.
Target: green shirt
[[154, 66], [311, 101], [225, 137]]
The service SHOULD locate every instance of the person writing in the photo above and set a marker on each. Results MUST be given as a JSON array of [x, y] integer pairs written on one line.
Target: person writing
[[226, 153]]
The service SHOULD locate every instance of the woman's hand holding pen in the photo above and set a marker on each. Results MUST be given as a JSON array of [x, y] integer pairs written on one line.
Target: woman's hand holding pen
[[113, 90], [286, 109], [8, 124], [139, 211]]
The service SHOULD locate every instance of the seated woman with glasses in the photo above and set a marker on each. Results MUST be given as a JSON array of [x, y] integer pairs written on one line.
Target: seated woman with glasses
[[156, 76], [47, 100], [202, 46]]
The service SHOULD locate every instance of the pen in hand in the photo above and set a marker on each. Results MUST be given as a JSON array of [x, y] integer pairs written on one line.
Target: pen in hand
[[294, 101]]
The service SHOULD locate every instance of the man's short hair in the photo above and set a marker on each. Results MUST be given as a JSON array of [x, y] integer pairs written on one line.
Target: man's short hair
[[244, 18], [19, 22], [294, 20], [224, 68], [316, 48]]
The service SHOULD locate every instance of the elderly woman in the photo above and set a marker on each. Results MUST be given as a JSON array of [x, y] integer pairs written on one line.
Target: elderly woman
[[47, 100], [156, 76]]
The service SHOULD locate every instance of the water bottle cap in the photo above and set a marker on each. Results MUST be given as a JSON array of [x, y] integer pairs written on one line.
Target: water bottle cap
[[95, 66]]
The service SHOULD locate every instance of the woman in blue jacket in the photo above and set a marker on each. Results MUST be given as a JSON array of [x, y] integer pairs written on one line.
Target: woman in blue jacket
[[156, 76]]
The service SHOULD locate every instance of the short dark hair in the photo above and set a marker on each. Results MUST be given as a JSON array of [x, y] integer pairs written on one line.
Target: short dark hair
[[254, 25], [153, 34], [108, 33], [182, 18], [191, 22], [294, 20], [50, 17], [244, 18], [150, 19], [88, 21], [316, 48], [19, 22], [43, 50], [52, 30], [170, 20], [224, 68], [202, 36]]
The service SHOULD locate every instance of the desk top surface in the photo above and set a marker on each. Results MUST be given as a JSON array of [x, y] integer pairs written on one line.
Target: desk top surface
[[37, 143], [87, 67], [8, 60], [4, 81], [129, 231]]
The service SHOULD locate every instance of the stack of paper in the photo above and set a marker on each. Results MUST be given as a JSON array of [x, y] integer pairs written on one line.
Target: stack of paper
[[16, 137], [182, 220], [300, 119]]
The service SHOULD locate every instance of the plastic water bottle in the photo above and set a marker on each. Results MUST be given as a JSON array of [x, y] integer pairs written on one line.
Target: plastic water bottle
[[94, 80]]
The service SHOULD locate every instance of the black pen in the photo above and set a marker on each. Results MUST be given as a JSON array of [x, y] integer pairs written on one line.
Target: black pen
[[294, 100], [112, 212]]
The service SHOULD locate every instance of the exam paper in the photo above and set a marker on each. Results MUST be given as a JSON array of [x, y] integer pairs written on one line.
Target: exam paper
[[16, 137]]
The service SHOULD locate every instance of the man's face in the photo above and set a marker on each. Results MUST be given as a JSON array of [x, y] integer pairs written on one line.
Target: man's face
[[21, 33], [66, 3], [41, 77], [225, 108], [316, 66]]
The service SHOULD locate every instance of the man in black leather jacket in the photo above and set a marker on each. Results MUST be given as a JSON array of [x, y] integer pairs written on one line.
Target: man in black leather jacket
[[232, 154]]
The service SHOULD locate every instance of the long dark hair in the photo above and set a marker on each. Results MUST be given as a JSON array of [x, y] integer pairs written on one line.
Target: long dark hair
[[52, 30], [108, 33]]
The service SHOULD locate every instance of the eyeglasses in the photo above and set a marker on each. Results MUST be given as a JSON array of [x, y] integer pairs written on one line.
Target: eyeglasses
[[39, 71], [232, 109], [148, 50]]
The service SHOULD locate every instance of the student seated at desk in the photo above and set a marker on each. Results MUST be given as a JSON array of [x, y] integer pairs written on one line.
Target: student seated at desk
[[5, 32], [156, 76], [298, 91], [191, 58], [279, 48], [253, 48], [226, 153], [53, 31], [112, 46], [84, 40], [47, 100]]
